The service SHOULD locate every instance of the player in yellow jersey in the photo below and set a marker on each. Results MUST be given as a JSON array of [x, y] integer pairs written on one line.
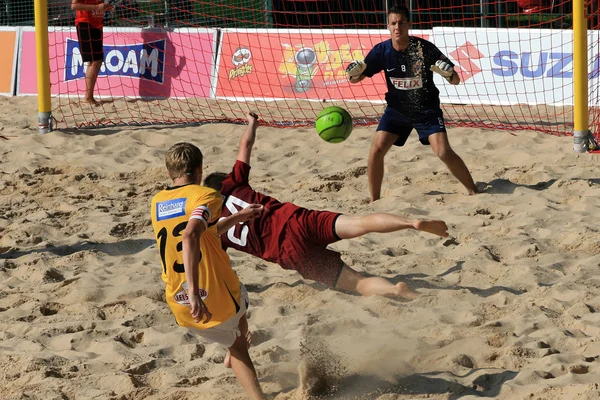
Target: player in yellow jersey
[[203, 292]]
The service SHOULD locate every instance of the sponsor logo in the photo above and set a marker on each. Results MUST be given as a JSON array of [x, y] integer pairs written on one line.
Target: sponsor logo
[[595, 69], [508, 63], [407, 83], [390, 70], [304, 62], [143, 60], [464, 56], [170, 209], [181, 297], [532, 65], [241, 63]]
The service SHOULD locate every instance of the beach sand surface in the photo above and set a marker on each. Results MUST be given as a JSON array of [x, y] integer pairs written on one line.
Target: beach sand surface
[[509, 305]]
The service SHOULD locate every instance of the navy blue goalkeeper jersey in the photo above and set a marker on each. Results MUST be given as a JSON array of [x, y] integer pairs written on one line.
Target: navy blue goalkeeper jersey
[[409, 80]]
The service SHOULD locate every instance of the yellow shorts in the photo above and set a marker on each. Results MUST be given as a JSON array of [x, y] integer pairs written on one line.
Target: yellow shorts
[[226, 332]]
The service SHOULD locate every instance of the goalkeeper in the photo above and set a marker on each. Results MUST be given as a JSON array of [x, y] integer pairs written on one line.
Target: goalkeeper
[[412, 99]]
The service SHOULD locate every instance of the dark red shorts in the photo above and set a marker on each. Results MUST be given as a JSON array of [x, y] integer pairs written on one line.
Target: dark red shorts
[[304, 246]]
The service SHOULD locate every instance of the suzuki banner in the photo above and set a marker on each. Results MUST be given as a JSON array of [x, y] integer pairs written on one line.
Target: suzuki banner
[[265, 64], [139, 63], [510, 66], [9, 42]]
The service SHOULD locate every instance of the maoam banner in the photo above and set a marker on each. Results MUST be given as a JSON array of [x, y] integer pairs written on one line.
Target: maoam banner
[[264, 64], [139, 63]]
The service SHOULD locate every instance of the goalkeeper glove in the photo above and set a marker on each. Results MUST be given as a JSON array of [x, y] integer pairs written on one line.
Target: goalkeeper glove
[[356, 68], [444, 69]]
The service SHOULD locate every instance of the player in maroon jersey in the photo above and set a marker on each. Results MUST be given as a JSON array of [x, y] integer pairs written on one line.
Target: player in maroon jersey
[[296, 238]]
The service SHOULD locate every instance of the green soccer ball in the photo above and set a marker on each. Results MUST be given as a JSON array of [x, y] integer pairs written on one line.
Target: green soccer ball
[[334, 124]]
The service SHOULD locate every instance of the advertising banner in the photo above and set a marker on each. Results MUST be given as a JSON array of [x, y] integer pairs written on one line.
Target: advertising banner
[[510, 66], [138, 63], [9, 43], [255, 64]]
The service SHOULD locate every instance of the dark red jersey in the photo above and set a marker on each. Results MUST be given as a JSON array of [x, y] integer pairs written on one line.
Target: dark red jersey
[[260, 237]]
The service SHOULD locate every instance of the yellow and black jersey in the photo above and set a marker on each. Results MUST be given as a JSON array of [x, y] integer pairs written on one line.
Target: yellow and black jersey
[[171, 210]]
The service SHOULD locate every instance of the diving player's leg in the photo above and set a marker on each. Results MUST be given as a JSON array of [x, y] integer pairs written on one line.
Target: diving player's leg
[[317, 263], [353, 281], [348, 227], [326, 227]]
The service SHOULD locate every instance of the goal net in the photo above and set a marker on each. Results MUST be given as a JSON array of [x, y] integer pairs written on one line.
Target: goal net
[[193, 61]]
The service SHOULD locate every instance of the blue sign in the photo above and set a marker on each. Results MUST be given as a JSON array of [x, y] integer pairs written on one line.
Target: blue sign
[[142, 60], [170, 209]]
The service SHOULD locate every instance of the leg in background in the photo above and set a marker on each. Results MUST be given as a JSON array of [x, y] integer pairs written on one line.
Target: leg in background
[[441, 147], [91, 75], [382, 142]]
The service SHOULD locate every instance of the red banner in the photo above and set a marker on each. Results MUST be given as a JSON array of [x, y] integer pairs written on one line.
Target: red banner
[[300, 64]]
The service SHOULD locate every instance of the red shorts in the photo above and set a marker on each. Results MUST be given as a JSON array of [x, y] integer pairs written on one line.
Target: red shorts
[[304, 246]]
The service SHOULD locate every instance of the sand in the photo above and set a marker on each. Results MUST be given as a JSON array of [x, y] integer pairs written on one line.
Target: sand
[[510, 302]]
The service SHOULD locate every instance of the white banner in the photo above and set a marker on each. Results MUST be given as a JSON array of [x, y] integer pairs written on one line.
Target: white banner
[[510, 66]]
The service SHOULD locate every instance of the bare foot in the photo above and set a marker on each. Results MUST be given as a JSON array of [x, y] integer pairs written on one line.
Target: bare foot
[[227, 360], [433, 226], [406, 292], [479, 188], [92, 101]]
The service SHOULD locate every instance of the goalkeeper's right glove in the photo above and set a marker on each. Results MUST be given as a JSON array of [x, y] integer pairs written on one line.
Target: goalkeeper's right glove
[[444, 69], [356, 68]]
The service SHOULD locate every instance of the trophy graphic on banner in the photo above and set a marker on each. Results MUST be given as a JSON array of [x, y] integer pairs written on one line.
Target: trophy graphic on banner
[[305, 59]]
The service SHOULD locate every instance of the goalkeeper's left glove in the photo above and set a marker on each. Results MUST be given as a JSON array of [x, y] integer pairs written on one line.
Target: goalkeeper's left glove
[[444, 69]]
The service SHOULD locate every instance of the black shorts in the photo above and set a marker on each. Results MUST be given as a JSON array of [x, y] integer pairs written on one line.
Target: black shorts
[[90, 42], [393, 121]]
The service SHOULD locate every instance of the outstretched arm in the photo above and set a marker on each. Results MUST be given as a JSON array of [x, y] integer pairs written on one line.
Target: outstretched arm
[[248, 213], [248, 138]]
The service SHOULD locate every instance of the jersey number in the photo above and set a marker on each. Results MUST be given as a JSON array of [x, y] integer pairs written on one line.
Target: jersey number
[[232, 205], [163, 237]]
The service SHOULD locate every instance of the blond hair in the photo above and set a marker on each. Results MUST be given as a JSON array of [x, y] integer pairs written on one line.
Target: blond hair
[[183, 159]]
